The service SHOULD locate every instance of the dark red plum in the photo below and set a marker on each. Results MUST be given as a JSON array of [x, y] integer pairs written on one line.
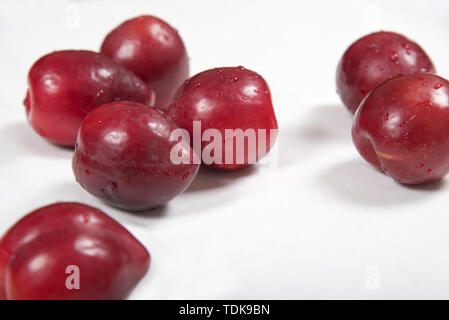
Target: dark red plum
[[402, 128], [64, 86], [375, 58]]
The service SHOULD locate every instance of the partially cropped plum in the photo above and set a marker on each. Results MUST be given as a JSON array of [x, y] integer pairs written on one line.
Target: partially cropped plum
[[69, 251], [153, 50], [402, 128], [375, 58], [123, 156], [65, 86], [232, 111]]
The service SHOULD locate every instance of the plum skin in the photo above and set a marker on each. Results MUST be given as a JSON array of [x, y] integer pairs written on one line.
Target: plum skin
[[153, 50], [402, 128], [122, 156], [375, 58], [225, 98], [64, 86], [110, 260]]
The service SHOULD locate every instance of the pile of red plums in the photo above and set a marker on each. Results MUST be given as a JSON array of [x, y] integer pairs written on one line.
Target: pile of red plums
[[401, 121], [130, 110], [119, 108]]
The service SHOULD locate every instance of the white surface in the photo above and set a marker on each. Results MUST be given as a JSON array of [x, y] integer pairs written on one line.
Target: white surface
[[322, 224]]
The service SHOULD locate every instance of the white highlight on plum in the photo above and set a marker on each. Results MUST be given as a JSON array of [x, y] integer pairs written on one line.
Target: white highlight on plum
[[250, 91], [38, 263], [440, 98], [160, 34], [51, 83], [116, 137], [158, 129], [89, 247], [126, 50]]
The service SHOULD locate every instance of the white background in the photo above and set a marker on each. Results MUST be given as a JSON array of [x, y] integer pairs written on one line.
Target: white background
[[318, 223]]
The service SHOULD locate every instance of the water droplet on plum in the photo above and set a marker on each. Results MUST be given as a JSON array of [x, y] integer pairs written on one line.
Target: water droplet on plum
[[394, 56], [185, 175], [112, 186], [100, 93]]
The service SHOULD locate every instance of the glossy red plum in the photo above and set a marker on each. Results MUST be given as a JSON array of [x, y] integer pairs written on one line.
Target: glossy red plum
[[402, 128], [38, 252], [375, 58], [65, 86], [226, 99], [153, 50], [123, 157]]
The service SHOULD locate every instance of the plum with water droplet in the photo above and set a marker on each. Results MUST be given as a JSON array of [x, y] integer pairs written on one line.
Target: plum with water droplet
[[123, 156], [233, 107], [64, 86], [153, 50], [375, 58], [402, 128]]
